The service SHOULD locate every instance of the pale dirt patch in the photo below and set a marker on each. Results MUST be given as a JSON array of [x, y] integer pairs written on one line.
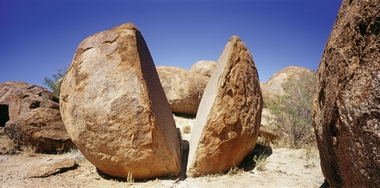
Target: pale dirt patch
[[285, 168]]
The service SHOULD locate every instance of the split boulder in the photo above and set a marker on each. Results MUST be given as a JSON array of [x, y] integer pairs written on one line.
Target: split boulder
[[346, 108], [183, 89], [228, 118], [114, 107]]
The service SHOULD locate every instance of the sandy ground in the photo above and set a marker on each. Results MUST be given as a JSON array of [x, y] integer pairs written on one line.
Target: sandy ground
[[283, 168]]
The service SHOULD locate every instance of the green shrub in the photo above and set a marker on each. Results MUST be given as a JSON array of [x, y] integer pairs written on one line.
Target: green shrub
[[55, 82], [292, 113]]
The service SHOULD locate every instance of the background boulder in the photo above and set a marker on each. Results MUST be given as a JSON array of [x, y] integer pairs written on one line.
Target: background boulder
[[30, 115], [183, 89], [41, 128], [204, 67], [20, 97], [274, 86]]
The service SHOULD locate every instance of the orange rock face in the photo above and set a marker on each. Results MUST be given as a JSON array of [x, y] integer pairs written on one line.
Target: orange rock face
[[183, 88], [228, 119], [114, 107]]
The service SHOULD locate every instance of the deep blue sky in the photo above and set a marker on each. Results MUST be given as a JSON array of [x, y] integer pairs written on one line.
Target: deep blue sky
[[37, 37]]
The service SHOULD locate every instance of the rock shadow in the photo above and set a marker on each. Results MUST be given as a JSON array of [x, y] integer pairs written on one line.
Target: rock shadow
[[248, 163]]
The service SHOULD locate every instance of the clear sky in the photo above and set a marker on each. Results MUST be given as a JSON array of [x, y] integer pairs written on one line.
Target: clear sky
[[37, 37]]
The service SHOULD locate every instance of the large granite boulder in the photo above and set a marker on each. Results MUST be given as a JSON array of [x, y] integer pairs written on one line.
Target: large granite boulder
[[30, 116], [346, 109], [183, 89], [204, 67], [228, 118], [274, 87], [115, 109]]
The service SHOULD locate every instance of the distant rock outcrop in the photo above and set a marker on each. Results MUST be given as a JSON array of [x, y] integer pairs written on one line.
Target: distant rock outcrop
[[183, 89], [204, 67], [346, 109], [30, 116], [115, 109], [41, 128], [274, 86], [19, 97], [228, 118]]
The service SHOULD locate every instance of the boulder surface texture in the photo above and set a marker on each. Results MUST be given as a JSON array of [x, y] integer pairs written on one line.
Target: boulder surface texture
[[30, 116], [114, 107], [228, 118], [274, 87], [346, 106], [183, 89], [204, 67]]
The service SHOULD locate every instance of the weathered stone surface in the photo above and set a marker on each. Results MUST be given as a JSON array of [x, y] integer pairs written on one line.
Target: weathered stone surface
[[115, 109], [265, 131], [30, 116], [274, 86], [185, 124], [204, 67], [267, 134], [41, 128], [346, 107], [17, 98], [228, 118], [51, 168], [183, 89]]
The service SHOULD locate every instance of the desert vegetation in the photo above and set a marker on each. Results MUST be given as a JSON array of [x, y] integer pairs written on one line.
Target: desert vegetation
[[291, 113], [7, 146], [55, 81]]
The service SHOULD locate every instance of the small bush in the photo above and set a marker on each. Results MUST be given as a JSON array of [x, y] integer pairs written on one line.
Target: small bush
[[55, 83], [292, 113]]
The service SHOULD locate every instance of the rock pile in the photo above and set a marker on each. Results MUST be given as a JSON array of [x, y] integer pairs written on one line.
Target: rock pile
[[115, 109], [346, 109], [30, 116], [228, 118]]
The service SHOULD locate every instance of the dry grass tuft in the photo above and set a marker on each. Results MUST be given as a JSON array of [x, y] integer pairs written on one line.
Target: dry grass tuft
[[7, 146], [75, 154], [260, 161], [234, 171], [29, 150], [130, 178]]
